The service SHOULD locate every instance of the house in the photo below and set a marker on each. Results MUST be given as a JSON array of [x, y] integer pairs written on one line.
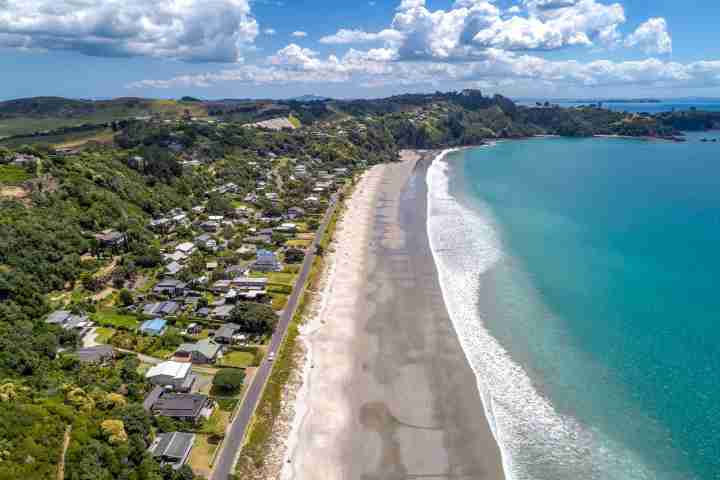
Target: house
[[153, 327], [161, 309], [312, 199], [222, 312], [193, 329], [227, 333], [211, 265], [170, 287], [69, 321], [172, 448], [203, 351], [246, 249], [96, 354], [286, 228], [183, 406], [110, 238], [266, 261], [210, 226], [250, 288], [264, 238], [221, 286], [176, 375], [173, 268], [161, 225], [295, 212], [174, 257], [186, 248]]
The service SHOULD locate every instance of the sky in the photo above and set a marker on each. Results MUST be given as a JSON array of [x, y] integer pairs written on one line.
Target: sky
[[358, 49]]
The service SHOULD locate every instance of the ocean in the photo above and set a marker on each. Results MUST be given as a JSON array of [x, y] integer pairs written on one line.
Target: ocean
[[645, 107], [581, 278]]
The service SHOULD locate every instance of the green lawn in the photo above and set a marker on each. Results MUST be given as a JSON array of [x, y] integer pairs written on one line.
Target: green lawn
[[278, 301], [298, 243], [237, 359], [117, 320], [12, 174], [281, 278], [104, 334]]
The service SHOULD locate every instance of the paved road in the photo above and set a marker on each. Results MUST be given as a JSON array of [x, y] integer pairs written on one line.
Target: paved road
[[236, 433]]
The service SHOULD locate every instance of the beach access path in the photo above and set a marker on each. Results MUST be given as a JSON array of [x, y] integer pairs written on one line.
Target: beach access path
[[226, 459]]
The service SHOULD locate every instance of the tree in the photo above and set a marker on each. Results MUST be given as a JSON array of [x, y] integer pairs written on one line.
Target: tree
[[125, 297], [294, 255], [255, 318], [229, 379]]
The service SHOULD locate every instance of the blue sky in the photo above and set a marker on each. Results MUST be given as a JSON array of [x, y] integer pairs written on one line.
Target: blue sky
[[282, 48]]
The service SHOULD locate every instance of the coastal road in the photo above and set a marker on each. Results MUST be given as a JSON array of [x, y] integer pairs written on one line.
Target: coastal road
[[236, 432]]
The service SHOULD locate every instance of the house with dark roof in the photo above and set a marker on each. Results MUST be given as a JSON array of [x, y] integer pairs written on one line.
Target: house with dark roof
[[172, 448], [183, 406], [96, 354], [203, 351], [110, 238], [170, 287]]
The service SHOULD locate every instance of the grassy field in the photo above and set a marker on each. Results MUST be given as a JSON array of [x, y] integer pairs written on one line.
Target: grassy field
[[279, 300], [114, 319], [12, 174], [237, 359], [104, 334], [103, 113], [201, 454]]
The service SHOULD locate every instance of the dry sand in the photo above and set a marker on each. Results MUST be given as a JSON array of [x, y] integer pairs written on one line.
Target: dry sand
[[386, 390]]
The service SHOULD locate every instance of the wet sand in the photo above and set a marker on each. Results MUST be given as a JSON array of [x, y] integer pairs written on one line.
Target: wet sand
[[387, 393]]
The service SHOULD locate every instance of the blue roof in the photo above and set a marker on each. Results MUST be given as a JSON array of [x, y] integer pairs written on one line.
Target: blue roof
[[156, 325]]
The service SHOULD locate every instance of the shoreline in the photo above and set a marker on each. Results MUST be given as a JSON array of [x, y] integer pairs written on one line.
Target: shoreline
[[384, 389]]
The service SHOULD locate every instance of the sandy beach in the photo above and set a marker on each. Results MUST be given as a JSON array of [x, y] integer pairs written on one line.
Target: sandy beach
[[387, 392]]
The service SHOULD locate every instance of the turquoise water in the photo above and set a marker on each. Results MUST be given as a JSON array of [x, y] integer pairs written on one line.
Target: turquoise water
[[605, 294]]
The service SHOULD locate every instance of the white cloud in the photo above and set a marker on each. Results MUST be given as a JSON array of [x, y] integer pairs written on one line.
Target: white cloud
[[188, 30], [554, 24], [299, 34], [344, 36], [652, 36], [269, 31], [378, 67]]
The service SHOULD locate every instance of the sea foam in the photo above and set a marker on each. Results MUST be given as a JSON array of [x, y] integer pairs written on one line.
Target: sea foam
[[536, 442]]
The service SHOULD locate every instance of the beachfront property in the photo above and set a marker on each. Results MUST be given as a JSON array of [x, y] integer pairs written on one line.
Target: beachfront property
[[191, 407], [177, 376], [154, 327], [172, 448]]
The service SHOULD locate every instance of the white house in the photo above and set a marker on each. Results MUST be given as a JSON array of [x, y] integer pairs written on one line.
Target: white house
[[177, 375]]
